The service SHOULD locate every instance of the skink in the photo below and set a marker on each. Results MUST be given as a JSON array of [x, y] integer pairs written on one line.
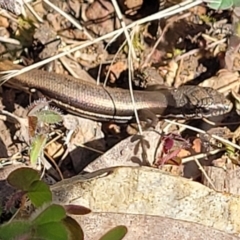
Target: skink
[[113, 104]]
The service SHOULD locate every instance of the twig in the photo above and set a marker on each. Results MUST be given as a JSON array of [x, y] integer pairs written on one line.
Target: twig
[[227, 142], [70, 19], [205, 174]]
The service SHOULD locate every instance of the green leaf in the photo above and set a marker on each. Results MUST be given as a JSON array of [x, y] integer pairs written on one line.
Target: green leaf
[[39, 193], [15, 230], [51, 231], [75, 230], [236, 3], [220, 4], [52, 213], [49, 116], [37, 147], [48, 223], [116, 233], [22, 178]]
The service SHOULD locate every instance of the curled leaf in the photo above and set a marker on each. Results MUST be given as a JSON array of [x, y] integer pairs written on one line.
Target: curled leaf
[[37, 147]]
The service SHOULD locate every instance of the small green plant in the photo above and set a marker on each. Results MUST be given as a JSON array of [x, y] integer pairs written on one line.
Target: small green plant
[[49, 221], [223, 4], [40, 116]]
